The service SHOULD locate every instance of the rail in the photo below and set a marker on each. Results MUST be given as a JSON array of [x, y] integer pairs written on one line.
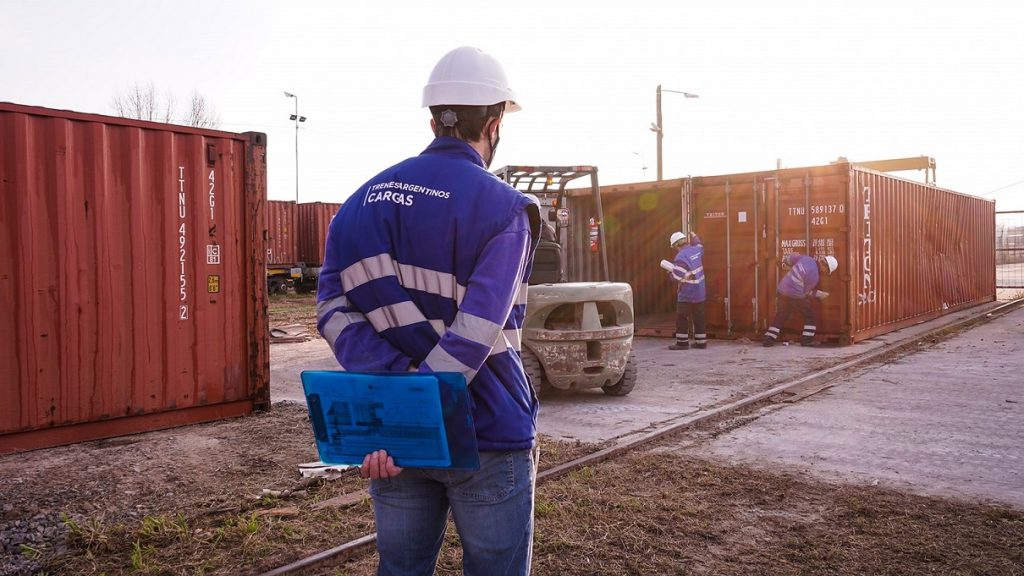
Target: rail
[[800, 388]]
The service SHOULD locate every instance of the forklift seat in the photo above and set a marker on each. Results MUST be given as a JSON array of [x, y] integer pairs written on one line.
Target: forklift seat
[[547, 263]]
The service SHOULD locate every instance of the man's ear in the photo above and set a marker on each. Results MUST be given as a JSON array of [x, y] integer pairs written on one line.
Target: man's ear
[[433, 126]]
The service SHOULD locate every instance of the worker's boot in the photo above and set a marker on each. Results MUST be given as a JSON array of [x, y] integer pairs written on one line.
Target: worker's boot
[[768, 342], [680, 346]]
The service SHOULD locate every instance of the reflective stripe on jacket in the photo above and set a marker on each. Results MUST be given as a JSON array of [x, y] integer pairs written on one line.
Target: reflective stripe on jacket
[[692, 287], [802, 279], [426, 268]]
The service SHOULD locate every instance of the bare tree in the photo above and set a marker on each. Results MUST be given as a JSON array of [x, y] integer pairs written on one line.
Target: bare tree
[[201, 114], [143, 103]]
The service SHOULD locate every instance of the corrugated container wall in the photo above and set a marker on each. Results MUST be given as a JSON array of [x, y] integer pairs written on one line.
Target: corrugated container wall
[[314, 219], [638, 219], [918, 252], [282, 233], [132, 260], [907, 251]]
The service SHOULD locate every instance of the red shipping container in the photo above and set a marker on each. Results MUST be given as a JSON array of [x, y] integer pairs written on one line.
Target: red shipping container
[[282, 233], [314, 220], [132, 266], [907, 251]]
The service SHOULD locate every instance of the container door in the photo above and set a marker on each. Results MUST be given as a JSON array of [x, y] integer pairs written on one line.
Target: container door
[[727, 216], [806, 213], [787, 230]]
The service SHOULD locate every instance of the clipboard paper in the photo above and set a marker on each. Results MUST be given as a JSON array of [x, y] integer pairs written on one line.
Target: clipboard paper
[[422, 420]]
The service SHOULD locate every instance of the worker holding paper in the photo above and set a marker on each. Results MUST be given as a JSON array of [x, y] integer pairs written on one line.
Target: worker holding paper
[[688, 270], [426, 271]]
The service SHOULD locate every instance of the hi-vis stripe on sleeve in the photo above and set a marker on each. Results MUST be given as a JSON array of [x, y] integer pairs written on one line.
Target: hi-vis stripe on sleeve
[[440, 360], [509, 339], [412, 277], [322, 308], [366, 270], [395, 316], [338, 318], [431, 282], [522, 294], [338, 322], [474, 328]]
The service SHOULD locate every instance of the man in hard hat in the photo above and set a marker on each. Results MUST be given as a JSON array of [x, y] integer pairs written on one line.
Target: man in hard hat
[[688, 271], [426, 269], [795, 291]]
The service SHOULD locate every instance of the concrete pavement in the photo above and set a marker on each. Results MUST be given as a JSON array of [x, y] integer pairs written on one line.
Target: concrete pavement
[[946, 421]]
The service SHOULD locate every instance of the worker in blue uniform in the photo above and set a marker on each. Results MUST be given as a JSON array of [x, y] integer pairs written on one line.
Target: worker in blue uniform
[[795, 291], [688, 271], [425, 270]]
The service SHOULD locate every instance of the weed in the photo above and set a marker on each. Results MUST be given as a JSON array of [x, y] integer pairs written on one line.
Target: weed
[[544, 508], [138, 555], [92, 535], [252, 525], [165, 527], [29, 551]]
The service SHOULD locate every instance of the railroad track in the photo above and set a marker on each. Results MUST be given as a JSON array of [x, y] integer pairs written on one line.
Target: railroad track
[[791, 391]]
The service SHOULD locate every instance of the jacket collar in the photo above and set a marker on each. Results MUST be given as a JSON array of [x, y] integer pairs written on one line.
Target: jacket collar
[[454, 148]]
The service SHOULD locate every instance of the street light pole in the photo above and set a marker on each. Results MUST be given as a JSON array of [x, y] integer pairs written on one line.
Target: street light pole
[[657, 127], [297, 119]]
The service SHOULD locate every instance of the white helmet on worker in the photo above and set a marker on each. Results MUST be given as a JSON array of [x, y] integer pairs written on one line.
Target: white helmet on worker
[[832, 263], [468, 76], [676, 238]]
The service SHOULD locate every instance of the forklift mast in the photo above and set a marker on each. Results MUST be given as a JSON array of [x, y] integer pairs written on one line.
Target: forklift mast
[[548, 184]]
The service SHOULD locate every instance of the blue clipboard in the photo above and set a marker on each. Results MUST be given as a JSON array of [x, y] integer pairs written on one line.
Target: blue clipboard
[[422, 420]]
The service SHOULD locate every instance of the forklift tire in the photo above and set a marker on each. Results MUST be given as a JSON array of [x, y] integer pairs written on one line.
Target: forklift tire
[[627, 382], [534, 371]]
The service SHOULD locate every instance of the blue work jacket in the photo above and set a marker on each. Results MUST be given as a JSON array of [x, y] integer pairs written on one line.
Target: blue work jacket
[[426, 269], [692, 287], [802, 279]]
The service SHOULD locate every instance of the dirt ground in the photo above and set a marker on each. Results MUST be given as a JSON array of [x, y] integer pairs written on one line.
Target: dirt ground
[[227, 498], [294, 313]]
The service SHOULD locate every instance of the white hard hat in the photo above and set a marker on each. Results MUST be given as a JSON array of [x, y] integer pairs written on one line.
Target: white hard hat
[[676, 238], [832, 263], [468, 76]]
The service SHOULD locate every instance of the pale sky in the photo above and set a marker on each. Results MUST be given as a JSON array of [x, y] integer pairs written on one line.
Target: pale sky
[[801, 82]]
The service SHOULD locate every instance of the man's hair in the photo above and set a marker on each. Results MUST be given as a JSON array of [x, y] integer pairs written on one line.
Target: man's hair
[[464, 122]]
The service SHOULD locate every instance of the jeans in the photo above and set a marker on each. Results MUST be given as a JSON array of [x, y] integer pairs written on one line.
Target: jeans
[[492, 508]]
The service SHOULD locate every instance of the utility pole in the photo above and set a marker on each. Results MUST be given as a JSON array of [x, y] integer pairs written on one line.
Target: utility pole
[[657, 127]]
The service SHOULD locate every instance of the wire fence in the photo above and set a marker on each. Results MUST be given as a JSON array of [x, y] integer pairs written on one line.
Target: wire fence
[[1010, 249]]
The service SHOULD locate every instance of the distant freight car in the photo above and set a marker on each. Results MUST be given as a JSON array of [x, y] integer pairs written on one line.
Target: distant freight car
[[297, 238], [282, 246], [907, 251], [132, 263]]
